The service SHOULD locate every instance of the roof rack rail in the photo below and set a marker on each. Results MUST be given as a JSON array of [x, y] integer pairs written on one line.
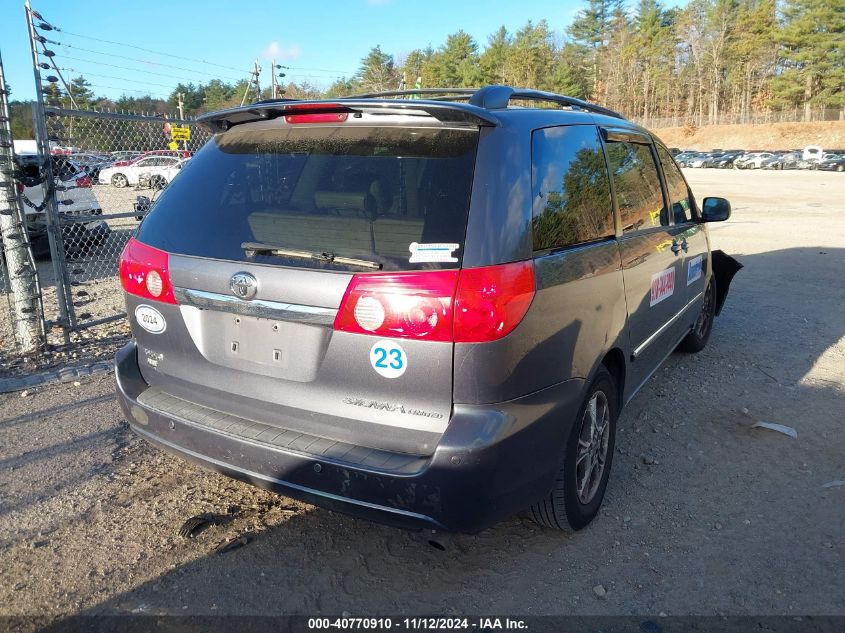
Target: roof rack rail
[[276, 100], [494, 97], [415, 91], [498, 97]]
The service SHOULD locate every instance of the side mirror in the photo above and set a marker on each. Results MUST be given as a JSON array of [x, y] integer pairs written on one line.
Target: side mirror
[[715, 210]]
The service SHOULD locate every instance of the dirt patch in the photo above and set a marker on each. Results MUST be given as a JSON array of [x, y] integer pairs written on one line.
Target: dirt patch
[[772, 136]]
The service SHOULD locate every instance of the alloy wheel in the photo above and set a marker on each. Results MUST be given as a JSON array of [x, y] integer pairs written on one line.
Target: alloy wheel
[[591, 458]]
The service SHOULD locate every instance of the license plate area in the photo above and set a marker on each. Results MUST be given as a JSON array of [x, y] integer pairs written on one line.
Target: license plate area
[[258, 345]]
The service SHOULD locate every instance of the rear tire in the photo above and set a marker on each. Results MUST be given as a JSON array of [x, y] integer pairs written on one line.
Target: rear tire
[[119, 181], [697, 339], [578, 491]]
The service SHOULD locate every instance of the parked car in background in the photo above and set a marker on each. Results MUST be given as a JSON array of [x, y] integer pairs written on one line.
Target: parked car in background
[[77, 203], [835, 162], [123, 156], [752, 160], [92, 163], [331, 309], [812, 152], [157, 152], [121, 175], [159, 177], [726, 161], [692, 159]]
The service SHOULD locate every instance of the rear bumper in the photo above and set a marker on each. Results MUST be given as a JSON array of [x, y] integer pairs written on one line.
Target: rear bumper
[[492, 461]]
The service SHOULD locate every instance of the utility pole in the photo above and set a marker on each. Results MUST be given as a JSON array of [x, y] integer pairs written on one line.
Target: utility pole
[[256, 71], [180, 104], [275, 82], [19, 262]]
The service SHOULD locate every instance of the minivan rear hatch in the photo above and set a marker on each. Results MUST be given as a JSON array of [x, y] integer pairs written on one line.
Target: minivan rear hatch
[[262, 234]]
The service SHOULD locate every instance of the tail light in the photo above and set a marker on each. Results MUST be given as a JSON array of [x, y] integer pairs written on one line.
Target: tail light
[[83, 181], [121, 163], [491, 301], [467, 306], [21, 187], [404, 305], [145, 272]]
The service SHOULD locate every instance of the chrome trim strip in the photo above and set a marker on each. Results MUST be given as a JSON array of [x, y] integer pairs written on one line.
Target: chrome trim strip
[[664, 327], [312, 315]]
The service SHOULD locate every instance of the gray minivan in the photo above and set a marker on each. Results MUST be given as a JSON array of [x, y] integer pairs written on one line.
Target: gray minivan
[[423, 311]]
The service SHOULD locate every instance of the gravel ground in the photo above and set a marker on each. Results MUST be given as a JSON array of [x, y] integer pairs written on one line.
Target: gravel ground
[[704, 514]]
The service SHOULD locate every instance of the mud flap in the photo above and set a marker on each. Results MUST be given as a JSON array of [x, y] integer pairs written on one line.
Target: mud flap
[[724, 269]]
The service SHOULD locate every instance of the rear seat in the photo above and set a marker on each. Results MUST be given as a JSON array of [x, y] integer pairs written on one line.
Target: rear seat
[[392, 236], [313, 232], [344, 229]]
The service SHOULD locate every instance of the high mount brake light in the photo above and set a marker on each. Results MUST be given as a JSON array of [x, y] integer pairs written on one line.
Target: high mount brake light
[[316, 113], [145, 272], [472, 305]]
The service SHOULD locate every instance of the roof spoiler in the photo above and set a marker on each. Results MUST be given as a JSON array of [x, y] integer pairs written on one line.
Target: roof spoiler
[[446, 112]]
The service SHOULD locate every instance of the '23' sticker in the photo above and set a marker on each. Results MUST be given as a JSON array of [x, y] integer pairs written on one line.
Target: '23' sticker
[[388, 359]]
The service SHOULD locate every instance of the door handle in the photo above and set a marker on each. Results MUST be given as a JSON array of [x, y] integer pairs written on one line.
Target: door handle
[[676, 248], [685, 246]]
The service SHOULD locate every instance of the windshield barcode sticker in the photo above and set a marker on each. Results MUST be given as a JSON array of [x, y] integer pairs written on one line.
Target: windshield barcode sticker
[[432, 252]]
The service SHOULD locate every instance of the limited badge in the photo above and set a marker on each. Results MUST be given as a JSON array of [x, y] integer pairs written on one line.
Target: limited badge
[[150, 319], [388, 359]]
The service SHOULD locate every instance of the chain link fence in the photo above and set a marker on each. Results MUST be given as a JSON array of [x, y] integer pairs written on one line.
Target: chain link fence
[[788, 115], [108, 168]]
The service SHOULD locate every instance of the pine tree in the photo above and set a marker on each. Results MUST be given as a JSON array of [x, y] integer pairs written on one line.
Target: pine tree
[[377, 72], [813, 54]]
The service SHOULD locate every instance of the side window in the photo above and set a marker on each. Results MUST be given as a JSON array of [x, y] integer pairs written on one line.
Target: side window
[[570, 187], [637, 186], [679, 194]]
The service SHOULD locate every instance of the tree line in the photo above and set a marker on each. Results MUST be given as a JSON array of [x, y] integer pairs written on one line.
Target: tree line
[[699, 62]]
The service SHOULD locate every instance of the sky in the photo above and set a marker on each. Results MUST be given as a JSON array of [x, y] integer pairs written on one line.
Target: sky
[[319, 41]]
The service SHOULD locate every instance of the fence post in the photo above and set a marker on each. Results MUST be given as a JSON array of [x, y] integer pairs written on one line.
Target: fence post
[[54, 229], [27, 311]]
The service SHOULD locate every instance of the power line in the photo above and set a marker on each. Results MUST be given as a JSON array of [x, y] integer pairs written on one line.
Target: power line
[[135, 81], [146, 72], [142, 61], [192, 59], [147, 50]]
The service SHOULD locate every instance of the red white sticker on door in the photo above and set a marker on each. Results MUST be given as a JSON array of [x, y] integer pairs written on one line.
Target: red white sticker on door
[[662, 285]]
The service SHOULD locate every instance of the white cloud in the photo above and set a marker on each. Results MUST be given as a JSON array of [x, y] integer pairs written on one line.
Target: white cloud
[[281, 52]]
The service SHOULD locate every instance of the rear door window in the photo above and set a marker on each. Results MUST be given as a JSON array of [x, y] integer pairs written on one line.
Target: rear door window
[[637, 186], [680, 197], [572, 202], [357, 192]]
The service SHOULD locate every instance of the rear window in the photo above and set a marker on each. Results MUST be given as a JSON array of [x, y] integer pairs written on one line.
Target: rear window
[[366, 193]]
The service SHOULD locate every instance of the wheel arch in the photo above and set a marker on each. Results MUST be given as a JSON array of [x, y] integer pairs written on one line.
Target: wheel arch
[[614, 362]]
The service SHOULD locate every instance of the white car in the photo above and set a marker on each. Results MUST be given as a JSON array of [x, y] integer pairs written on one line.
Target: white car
[[73, 186], [75, 198], [159, 177], [129, 174], [752, 161]]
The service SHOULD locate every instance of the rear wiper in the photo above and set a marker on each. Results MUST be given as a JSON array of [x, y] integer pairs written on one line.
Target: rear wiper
[[257, 248]]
